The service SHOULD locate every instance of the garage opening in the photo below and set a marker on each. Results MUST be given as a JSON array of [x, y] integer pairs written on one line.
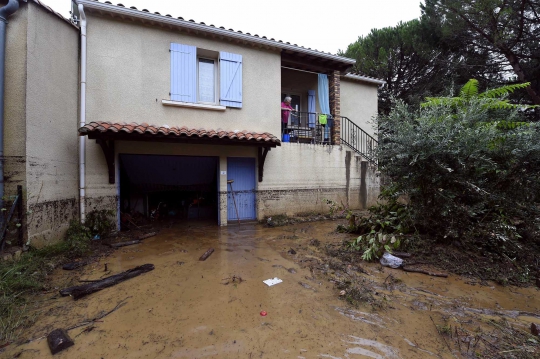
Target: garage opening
[[161, 187]]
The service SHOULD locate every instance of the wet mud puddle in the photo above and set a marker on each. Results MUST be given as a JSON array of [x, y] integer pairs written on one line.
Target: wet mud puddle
[[188, 308]]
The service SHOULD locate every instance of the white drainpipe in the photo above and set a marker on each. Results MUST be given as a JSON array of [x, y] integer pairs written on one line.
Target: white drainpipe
[[82, 139]]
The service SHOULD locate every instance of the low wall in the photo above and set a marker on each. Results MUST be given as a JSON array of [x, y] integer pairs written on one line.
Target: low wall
[[299, 178]]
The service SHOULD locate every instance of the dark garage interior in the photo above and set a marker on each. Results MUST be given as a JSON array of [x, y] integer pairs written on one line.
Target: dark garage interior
[[164, 187]]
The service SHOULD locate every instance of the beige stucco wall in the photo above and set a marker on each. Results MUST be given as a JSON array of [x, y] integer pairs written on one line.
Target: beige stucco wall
[[14, 101], [129, 75], [298, 178], [359, 103], [52, 74]]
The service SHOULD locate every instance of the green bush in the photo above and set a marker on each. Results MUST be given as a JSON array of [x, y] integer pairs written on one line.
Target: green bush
[[469, 169], [100, 222]]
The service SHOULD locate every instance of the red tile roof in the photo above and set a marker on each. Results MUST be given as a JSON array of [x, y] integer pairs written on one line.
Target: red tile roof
[[201, 26], [146, 129]]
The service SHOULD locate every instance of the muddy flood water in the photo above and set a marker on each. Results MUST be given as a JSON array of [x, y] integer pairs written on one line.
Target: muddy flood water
[[187, 308]]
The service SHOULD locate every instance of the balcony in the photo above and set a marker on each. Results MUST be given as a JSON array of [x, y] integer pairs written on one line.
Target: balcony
[[307, 127]]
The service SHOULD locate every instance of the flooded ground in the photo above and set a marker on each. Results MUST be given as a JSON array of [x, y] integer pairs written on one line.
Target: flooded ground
[[187, 308]]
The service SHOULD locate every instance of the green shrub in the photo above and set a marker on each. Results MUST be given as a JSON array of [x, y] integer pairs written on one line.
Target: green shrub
[[100, 222], [468, 169]]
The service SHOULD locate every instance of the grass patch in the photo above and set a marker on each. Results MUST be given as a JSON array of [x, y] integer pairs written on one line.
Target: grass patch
[[28, 275]]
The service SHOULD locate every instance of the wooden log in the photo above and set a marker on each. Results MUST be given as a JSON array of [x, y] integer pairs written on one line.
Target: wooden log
[[148, 235], [401, 254], [123, 244], [58, 340], [206, 254], [413, 270], [74, 265], [80, 291]]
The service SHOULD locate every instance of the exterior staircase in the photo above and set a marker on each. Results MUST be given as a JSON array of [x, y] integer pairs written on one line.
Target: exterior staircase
[[358, 140]]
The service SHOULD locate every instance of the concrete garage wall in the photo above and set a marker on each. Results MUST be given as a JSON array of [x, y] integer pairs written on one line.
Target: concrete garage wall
[[359, 103], [51, 125], [129, 76], [299, 178]]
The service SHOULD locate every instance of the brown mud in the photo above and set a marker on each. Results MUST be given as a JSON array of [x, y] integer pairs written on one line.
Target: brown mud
[[187, 308]]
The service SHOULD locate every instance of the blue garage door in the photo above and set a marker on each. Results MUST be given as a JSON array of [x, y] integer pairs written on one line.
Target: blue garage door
[[242, 171]]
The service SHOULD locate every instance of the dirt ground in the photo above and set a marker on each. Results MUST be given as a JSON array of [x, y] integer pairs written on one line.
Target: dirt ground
[[187, 308]]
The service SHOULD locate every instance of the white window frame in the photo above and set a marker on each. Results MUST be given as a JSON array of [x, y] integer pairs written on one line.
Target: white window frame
[[216, 80]]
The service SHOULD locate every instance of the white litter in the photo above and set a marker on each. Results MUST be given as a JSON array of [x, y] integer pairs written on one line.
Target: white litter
[[270, 282], [391, 261]]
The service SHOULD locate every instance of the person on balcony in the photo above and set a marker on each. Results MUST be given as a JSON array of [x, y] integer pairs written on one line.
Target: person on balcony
[[286, 109]]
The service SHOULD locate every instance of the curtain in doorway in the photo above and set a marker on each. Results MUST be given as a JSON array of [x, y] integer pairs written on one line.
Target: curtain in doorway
[[324, 103], [324, 94]]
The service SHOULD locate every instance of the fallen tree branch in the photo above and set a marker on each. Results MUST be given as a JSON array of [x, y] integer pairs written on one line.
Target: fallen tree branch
[[99, 317], [148, 235], [206, 254], [123, 244], [401, 254], [414, 270], [86, 322], [442, 336], [75, 265], [80, 291]]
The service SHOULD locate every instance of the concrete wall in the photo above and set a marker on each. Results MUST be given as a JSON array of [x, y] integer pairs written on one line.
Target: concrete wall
[[359, 103], [129, 75], [298, 178], [52, 74], [15, 102]]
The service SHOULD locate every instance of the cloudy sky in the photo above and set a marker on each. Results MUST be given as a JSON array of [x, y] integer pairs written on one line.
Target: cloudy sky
[[323, 25]]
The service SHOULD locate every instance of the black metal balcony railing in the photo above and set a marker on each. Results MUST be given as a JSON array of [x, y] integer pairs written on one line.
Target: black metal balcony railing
[[306, 127], [359, 140]]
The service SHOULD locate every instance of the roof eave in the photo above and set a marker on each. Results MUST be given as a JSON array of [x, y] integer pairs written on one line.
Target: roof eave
[[372, 80], [91, 4]]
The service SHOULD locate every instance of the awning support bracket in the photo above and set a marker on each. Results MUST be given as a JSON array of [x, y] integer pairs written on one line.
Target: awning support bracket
[[261, 156], [108, 151]]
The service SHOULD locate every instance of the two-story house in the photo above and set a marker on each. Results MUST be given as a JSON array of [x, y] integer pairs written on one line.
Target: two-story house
[[136, 111]]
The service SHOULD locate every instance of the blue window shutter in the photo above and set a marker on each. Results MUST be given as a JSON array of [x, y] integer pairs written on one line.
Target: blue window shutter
[[230, 69], [183, 73]]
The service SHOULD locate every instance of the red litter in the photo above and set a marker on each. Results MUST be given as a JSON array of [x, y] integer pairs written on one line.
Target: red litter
[[263, 313]]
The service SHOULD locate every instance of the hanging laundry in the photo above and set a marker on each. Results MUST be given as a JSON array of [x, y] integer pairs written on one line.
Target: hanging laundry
[[323, 119]]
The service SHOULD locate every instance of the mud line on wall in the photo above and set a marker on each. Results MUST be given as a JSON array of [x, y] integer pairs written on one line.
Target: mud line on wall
[[48, 221]]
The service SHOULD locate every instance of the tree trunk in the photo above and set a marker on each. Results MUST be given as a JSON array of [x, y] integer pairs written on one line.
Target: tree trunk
[[514, 62], [123, 244], [206, 254], [83, 290]]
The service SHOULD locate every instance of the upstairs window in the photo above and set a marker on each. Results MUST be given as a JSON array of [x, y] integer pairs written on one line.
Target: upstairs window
[[206, 80], [199, 77]]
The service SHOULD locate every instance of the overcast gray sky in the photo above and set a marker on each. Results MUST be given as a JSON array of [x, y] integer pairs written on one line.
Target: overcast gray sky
[[328, 25]]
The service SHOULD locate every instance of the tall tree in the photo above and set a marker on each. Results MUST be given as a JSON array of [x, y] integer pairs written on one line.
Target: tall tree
[[413, 61], [505, 32]]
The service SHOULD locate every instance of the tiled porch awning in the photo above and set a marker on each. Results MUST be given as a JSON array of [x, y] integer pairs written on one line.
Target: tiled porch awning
[[106, 133], [145, 132]]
